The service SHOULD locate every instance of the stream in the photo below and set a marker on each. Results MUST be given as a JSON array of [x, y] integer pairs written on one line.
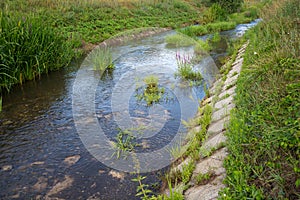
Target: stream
[[56, 133]]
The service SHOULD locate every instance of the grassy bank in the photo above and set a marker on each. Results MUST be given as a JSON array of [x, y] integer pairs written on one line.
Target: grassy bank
[[38, 36], [264, 133], [216, 19], [97, 20]]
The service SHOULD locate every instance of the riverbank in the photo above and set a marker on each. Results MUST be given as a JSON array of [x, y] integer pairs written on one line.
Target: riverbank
[[80, 25], [254, 152]]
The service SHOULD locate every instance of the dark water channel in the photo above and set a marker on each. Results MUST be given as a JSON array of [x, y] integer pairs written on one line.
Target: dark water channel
[[42, 156]]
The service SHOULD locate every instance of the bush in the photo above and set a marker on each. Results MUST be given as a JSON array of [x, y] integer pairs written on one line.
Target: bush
[[230, 6], [214, 13]]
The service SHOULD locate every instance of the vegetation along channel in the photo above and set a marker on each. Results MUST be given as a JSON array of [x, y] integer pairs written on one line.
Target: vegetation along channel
[[98, 98]]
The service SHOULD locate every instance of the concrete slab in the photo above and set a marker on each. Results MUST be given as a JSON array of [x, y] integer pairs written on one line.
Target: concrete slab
[[223, 103]]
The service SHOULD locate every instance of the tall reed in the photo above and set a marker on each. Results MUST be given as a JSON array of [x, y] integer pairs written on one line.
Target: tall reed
[[29, 48]]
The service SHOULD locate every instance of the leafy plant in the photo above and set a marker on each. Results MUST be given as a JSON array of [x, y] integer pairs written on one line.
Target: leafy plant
[[142, 189], [202, 179], [125, 143], [152, 93]]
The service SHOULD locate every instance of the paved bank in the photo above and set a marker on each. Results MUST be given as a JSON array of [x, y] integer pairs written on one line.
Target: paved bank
[[221, 100]]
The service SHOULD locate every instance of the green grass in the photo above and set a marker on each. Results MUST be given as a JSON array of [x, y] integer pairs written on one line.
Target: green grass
[[186, 69], [96, 21], [39, 36], [152, 93], [101, 59], [29, 48], [180, 40], [264, 132], [194, 31]]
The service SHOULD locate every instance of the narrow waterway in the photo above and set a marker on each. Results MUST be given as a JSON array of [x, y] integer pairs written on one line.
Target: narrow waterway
[[42, 152]]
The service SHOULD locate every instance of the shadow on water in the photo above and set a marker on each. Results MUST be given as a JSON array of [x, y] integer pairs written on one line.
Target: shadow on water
[[41, 154]]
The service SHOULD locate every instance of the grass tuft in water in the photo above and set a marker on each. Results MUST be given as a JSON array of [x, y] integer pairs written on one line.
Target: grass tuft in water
[[152, 93], [186, 69], [101, 59]]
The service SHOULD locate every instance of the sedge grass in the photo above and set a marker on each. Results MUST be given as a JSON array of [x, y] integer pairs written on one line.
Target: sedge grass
[[28, 48]]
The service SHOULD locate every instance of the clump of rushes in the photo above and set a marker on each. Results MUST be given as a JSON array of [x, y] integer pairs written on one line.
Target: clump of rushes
[[180, 40], [102, 59], [151, 93], [186, 69], [29, 48]]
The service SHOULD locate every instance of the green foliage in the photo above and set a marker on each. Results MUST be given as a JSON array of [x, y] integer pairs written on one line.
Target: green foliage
[[202, 179], [180, 40], [263, 136], [214, 13], [187, 172], [193, 31], [28, 48], [186, 70], [216, 37], [143, 190], [96, 21], [152, 92], [230, 6], [101, 59], [125, 142]]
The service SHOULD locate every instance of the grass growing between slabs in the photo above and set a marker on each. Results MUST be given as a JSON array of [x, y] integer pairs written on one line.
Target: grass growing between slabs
[[264, 133]]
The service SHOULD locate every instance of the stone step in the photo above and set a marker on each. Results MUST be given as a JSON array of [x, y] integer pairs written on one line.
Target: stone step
[[224, 103]]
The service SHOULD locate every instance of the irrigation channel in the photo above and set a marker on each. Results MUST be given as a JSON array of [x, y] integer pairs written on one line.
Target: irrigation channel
[[45, 152]]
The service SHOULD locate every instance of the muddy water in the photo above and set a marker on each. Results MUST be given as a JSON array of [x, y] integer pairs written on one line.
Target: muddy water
[[41, 154]]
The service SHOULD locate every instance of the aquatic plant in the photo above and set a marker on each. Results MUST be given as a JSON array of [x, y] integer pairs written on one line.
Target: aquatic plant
[[186, 70], [180, 40], [101, 59], [125, 143], [152, 93]]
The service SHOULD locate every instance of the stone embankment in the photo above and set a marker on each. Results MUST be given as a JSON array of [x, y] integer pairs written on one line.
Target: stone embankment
[[221, 100]]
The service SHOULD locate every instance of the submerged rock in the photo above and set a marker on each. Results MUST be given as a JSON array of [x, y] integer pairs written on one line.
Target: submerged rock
[[6, 167], [71, 160]]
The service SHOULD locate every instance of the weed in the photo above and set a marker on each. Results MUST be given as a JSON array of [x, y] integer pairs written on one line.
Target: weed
[[202, 179], [187, 172], [152, 93], [216, 37], [186, 70], [142, 190], [180, 40], [101, 59], [28, 49], [124, 143]]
